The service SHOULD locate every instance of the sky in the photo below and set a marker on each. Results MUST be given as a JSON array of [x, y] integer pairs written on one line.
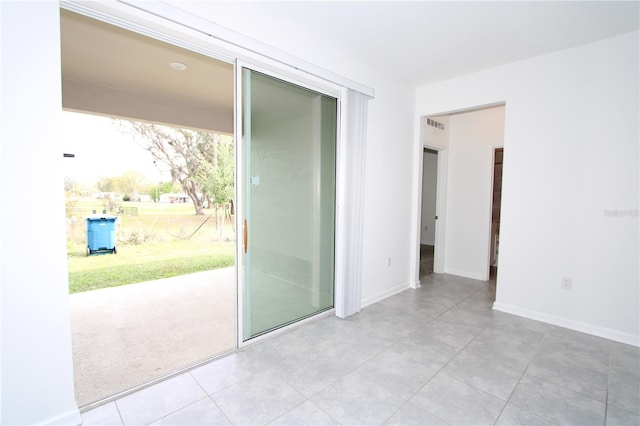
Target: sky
[[102, 149]]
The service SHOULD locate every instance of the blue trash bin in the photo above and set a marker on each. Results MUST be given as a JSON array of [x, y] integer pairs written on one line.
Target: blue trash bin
[[101, 234]]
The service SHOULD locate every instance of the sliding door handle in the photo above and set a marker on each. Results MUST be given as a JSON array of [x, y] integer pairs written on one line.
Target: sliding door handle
[[246, 235]]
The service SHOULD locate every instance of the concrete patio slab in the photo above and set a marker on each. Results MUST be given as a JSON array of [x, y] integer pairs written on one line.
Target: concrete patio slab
[[125, 336]]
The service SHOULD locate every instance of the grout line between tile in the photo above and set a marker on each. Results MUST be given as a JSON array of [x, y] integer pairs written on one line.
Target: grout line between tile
[[119, 413], [511, 394], [220, 408], [450, 359], [606, 396], [440, 371], [209, 396], [175, 411]]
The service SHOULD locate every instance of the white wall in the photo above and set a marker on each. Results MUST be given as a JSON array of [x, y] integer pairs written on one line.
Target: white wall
[[570, 159], [472, 139], [387, 193], [37, 373], [429, 180]]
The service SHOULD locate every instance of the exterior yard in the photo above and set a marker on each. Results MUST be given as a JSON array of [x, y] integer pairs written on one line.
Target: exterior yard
[[162, 240]]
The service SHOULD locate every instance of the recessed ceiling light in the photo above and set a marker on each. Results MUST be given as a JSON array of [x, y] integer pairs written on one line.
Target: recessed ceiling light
[[178, 66]]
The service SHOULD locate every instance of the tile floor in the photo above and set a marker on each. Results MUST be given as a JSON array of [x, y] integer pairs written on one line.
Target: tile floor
[[437, 355]]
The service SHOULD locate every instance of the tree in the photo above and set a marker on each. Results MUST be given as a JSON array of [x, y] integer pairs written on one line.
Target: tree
[[105, 184], [185, 152], [70, 184], [130, 184], [217, 176], [162, 188]]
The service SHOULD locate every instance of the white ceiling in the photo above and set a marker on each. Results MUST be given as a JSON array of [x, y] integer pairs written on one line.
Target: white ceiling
[[417, 42], [422, 42]]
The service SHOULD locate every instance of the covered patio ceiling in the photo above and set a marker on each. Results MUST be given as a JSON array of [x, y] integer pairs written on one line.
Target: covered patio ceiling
[[110, 71]]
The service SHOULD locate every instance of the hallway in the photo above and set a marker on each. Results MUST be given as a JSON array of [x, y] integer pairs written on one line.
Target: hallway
[[426, 260]]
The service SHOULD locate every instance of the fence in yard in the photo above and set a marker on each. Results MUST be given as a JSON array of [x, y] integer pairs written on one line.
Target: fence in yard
[[128, 211]]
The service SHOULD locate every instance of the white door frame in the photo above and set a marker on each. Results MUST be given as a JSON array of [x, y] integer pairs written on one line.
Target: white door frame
[[494, 148], [441, 203], [441, 197], [327, 89]]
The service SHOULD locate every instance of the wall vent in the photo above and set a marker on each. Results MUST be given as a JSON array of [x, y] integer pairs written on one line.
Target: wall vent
[[434, 123]]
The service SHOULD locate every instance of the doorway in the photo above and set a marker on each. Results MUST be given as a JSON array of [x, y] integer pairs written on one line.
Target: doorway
[[429, 215], [496, 201], [465, 141], [289, 175], [165, 300], [286, 184]]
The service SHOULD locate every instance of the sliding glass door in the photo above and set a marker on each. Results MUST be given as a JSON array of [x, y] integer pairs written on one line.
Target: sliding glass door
[[289, 170]]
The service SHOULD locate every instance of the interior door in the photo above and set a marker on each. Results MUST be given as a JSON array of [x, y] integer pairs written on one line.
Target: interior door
[[289, 164]]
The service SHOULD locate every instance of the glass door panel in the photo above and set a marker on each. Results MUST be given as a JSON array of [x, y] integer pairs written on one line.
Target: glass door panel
[[290, 160]]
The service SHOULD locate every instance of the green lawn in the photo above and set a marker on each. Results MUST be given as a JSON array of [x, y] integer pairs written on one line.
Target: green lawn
[[147, 262]]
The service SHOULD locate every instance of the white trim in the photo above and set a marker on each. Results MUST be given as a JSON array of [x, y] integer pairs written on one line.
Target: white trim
[[416, 224], [340, 264], [465, 274], [169, 23], [239, 206], [316, 157], [293, 76], [398, 288], [441, 211], [285, 329], [594, 330], [441, 197]]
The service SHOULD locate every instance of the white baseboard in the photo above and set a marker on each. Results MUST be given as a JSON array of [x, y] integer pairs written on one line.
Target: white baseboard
[[415, 284], [71, 417], [595, 330], [465, 274], [383, 295]]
